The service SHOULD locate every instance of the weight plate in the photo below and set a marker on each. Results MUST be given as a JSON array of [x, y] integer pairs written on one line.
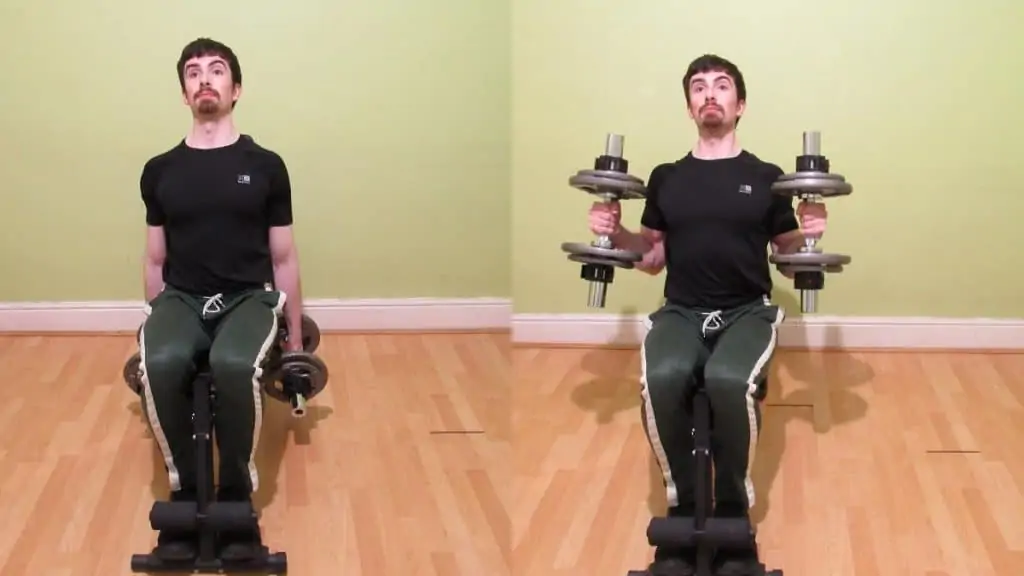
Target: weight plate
[[132, 373], [608, 253], [811, 175], [597, 260], [310, 334], [810, 259], [621, 185], [794, 268], [824, 185], [297, 367]]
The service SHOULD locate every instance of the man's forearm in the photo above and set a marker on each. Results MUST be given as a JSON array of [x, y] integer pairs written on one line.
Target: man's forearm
[[286, 279], [153, 278], [632, 241]]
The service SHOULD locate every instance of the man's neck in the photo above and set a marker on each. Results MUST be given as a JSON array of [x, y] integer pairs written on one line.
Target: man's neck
[[717, 146], [207, 134]]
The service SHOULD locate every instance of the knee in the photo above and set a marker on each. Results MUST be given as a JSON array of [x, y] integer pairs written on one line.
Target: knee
[[723, 380], [228, 367], [166, 363], [668, 375]]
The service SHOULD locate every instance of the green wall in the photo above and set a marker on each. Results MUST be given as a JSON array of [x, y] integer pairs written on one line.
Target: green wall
[[919, 105], [411, 139], [392, 116]]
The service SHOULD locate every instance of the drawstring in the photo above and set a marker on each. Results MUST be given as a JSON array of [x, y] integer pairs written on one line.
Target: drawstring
[[213, 304], [712, 322]]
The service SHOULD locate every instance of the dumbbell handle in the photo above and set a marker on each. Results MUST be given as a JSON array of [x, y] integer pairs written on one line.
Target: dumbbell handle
[[298, 402]]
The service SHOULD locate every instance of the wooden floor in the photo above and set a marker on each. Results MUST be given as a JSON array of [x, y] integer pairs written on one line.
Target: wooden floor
[[401, 466], [869, 464], [448, 455]]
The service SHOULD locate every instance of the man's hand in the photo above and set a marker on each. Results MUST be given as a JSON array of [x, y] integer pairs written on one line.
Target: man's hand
[[813, 217], [294, 343]]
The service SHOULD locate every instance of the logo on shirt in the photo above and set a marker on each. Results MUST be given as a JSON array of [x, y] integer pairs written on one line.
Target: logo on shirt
[[244, 179], [745, 189]]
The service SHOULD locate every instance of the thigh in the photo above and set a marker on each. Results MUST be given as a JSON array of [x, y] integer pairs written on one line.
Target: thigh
[[173, 332], [247, 332], [743, 352], [673, 348]]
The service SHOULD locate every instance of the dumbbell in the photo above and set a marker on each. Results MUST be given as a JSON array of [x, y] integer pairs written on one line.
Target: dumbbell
[[811, 182], [299, 377], [610, 181]]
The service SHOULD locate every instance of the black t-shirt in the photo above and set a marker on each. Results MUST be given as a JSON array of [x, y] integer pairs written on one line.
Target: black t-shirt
[[216, 207], [718, 217]]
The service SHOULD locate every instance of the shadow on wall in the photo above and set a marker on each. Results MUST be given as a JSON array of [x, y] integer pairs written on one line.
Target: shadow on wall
[[821, 391]]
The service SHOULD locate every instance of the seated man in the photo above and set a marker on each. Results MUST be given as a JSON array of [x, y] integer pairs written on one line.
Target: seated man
[[709, 218], [219, 215]]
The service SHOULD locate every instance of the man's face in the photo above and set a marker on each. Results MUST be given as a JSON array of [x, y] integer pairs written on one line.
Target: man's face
[[713, 100], [209, 88]]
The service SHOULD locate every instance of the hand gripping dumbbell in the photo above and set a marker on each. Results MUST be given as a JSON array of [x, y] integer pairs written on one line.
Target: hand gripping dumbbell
[[811, 182], [609, 180]]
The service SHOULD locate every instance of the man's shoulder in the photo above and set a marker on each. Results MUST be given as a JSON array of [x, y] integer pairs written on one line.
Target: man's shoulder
[[663, 171], [768, 171], [259, 153], [163, 159]]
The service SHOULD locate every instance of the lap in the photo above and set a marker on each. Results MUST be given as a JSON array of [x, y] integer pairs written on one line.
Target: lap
[[244, 329], [739, 350]]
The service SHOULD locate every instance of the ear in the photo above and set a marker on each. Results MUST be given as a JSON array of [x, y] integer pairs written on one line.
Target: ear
[[237, 93], [741, 107], [184, 97]]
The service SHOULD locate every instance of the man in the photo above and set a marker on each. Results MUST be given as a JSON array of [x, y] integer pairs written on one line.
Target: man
[[708, 220], [220, 266]]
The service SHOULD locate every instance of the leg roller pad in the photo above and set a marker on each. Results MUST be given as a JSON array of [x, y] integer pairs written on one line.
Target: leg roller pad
[[219, 516], [266, 564], [682, 532]]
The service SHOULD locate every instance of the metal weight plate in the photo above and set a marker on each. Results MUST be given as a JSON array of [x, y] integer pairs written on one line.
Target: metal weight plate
[[310, 334], [299, 366], [587, 259], [810, 259], [794, 268], [132, 373], [823, 184], [599, 182], [616, 254]]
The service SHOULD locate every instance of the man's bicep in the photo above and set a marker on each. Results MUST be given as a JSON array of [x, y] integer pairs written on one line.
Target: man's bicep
[[156, 244], [653, 218], [782, 217], [147, 187], [279, 205]]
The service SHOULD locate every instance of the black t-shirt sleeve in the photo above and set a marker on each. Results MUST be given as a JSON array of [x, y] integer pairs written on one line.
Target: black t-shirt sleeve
[[147, 184], [652, 217], [279, 203], [781, 217]]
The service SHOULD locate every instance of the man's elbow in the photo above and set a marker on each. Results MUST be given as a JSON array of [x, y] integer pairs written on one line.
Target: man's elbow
[[285, 258]]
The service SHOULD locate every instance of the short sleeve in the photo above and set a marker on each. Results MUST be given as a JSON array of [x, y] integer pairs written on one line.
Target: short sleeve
[[652, 217], [279, 202], [148, 186], [781, 217]]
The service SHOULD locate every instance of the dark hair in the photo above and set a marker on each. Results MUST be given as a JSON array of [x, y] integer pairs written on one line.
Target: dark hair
[[715, 63], [208, 47]]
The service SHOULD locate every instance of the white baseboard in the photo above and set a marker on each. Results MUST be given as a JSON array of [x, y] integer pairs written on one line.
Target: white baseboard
[[412, 314], [814, 332]]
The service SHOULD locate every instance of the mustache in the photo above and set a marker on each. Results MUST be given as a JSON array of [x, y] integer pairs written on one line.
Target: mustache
[[206, 91], [711, 107]]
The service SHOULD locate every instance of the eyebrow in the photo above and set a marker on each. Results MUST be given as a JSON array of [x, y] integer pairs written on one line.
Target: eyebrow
[[212, 63], [715, 79]]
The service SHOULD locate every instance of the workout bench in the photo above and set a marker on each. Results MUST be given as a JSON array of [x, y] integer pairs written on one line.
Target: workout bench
[[703, 531], [294, 377]]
